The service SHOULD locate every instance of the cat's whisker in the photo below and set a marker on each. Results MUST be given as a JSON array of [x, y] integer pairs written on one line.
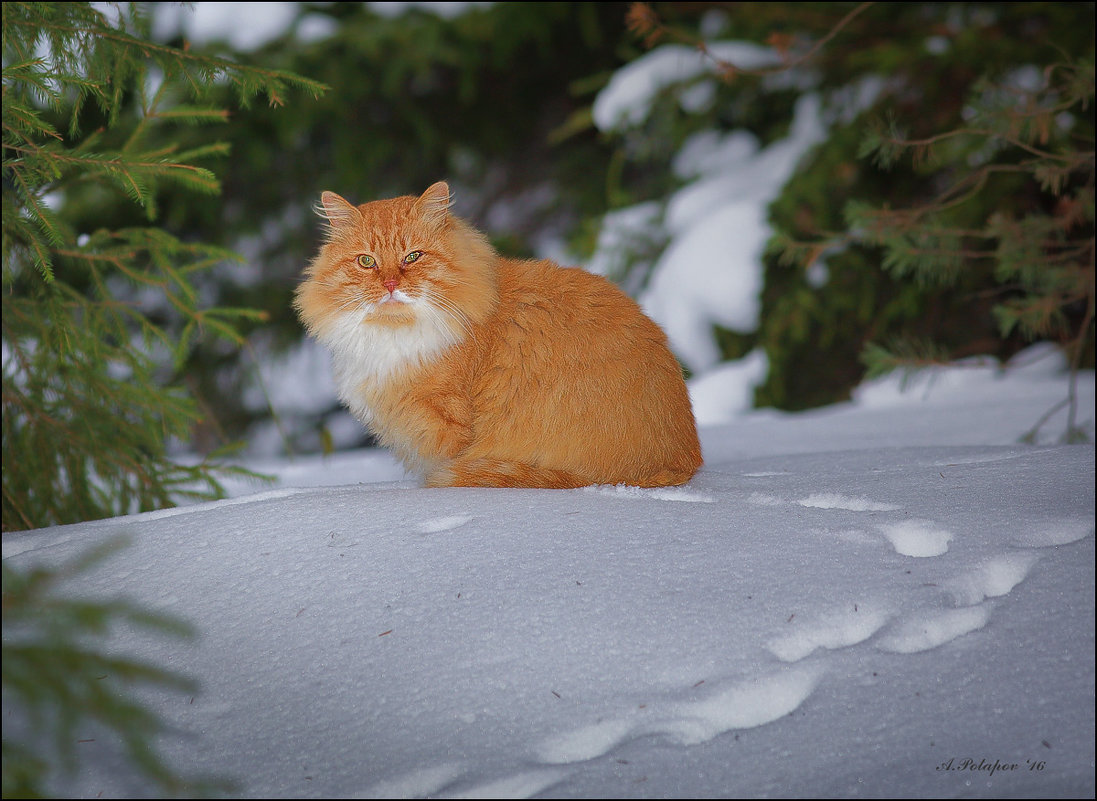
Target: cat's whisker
[[434, 296], [350, 302], [435, 314], [447, 306], [461, 318]]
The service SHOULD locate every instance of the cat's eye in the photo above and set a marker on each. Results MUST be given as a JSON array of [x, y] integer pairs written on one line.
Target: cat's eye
[[366, 261], [413, 256]]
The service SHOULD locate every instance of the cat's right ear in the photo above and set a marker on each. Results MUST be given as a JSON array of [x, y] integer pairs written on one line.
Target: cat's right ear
[[336, 210], [433, 205]]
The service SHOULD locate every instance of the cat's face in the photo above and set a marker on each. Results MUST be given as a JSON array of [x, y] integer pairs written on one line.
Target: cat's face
[[395, 264]]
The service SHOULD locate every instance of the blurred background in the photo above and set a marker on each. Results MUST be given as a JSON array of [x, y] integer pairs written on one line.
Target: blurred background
[[801, 194]]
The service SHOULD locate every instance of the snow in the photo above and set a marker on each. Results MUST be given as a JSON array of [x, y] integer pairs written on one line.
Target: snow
[[627, 98], [447, 9], [300, 380], [711, 272], [621, 229], [889, 597], [244, 26], [716, 225], [249, 26], [727, 390]]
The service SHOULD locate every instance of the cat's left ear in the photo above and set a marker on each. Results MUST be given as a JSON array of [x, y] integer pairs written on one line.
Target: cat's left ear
[[336, 210], [433, 205]]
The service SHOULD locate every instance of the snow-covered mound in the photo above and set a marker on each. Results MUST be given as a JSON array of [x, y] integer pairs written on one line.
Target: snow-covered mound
[[887, 598]]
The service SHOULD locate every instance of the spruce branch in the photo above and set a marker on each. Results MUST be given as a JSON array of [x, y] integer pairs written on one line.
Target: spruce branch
[[58, 678], [108, 46], [97, 326], [643, 21]]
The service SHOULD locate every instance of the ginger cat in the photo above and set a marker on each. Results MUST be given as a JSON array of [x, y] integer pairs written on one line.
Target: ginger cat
[[482, 371]]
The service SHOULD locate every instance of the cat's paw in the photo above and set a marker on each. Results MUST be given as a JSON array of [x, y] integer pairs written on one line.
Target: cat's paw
[[441, 476]]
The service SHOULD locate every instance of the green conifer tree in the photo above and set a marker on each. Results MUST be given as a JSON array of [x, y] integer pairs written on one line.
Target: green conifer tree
[[1037, 258], [951, 208], [60, 685], [97, 321]]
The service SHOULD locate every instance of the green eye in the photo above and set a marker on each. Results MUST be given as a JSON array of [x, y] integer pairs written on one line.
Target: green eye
[[413, 256], [366, 261]]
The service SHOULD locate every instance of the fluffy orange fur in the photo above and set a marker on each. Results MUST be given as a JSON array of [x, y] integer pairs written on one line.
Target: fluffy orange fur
[[479, 370]]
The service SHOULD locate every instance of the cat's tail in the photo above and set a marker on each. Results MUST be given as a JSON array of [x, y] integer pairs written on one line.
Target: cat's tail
[[498, 473]]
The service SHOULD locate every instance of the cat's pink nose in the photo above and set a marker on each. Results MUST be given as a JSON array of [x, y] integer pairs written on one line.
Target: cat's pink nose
[[390, 285]]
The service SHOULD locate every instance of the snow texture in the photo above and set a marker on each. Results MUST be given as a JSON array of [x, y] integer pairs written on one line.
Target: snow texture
[[711, 272], [716, 227], [250, 26], [886, 598], [627, 98]]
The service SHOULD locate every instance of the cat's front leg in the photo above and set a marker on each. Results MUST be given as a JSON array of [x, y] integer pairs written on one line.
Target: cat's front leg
[[437, 425]]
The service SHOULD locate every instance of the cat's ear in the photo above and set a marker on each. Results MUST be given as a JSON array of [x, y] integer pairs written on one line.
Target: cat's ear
[[433, 205], [336, 210]]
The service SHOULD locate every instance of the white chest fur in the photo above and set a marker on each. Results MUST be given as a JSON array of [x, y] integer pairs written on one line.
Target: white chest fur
[[365, 355]]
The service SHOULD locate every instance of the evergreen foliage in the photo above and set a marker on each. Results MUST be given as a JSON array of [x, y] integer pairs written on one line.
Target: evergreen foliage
[[98, 319], [1036, 259], [953, 213], [61, 684]]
